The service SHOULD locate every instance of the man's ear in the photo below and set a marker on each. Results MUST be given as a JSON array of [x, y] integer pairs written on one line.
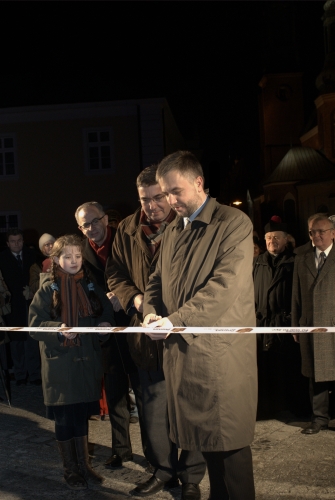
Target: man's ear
[[199, 182]]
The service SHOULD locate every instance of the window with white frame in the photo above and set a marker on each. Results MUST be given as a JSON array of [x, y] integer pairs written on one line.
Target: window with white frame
[[9, 220], [99, 150], [8, 167]]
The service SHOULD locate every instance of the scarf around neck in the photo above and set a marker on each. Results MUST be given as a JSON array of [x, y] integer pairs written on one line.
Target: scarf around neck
[[104, 250], [154, 230], [75, 302]]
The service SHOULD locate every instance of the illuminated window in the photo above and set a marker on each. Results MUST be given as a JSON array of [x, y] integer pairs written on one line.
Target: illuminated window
[[99, 150], [7, 156]]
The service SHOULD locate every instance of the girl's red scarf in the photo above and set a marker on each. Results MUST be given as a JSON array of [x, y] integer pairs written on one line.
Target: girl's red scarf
[[75, 302]]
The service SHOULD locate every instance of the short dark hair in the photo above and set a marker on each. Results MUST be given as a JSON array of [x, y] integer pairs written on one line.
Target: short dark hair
[[183, 162], [13, 231], [147, 177]]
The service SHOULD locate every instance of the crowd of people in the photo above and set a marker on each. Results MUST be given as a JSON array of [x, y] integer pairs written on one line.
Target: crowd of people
[[182, 259]]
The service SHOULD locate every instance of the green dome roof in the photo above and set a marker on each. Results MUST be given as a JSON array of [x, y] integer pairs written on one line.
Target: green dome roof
[[305, 165]]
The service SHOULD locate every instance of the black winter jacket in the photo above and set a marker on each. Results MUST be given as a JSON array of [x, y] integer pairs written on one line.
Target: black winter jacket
[[273, 292]]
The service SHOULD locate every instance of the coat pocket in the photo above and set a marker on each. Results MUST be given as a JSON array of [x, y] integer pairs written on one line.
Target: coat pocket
[[56, 370]]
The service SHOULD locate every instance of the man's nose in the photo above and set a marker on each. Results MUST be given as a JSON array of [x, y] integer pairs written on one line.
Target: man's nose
[[171, 199], [152, 202]]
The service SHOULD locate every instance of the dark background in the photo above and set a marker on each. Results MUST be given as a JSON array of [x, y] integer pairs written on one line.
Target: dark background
[[206, 58]]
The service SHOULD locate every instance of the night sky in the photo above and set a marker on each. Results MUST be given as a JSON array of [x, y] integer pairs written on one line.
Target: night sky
[[206, 58]]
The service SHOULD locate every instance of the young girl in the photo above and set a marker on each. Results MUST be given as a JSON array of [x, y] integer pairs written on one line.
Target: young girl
[[71, 363]]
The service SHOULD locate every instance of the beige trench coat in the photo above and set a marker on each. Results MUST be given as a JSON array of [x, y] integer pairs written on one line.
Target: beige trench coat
[[204, 278], [313, 304]]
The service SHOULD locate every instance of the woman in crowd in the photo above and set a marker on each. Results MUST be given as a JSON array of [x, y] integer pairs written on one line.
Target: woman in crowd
[[43, 261]]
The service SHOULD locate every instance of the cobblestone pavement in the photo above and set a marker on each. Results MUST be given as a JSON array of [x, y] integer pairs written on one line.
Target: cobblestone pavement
[[287, 464]]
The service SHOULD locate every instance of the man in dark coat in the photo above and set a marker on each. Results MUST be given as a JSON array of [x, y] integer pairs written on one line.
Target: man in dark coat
[[278, 357], [273, 274], [15, 263], [135, 252], [117, 362], [313, 305], [309, 245], [203, 278]]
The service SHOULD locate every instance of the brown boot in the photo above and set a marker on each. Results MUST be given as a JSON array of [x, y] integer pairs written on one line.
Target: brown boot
[[72, 476], [83, 462]]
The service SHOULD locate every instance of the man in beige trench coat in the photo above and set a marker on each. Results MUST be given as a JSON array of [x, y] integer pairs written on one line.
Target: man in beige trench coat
[[204, 278]]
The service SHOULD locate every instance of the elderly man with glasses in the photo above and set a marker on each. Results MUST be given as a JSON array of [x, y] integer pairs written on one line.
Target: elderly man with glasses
[[313, 305], [117, 362]]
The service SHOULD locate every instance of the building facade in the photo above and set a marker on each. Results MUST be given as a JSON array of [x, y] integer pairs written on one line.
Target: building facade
[[53, 158]]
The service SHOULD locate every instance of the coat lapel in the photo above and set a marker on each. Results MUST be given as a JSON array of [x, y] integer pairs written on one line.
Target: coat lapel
[[140, 239], [135, 231], [310, 262], [91, 257], [328, 264]]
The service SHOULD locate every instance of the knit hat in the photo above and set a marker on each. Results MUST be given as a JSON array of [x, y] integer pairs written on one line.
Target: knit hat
[[44, 239], [275, 224]]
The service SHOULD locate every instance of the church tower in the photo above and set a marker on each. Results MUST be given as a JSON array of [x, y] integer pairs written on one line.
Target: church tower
[[281, 117], [325, 83], [280, 104]]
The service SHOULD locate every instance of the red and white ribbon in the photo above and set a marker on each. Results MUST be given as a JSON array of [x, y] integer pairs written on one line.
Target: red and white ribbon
[[176, 329]]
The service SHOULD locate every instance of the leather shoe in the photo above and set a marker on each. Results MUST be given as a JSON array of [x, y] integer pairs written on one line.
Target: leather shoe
[[115, 461], [314, 428], [190, 491], [153, 485]]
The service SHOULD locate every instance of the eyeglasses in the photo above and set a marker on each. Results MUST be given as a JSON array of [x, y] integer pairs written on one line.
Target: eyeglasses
[[93, 222], [156, 199], [314, 232], [275, 238]]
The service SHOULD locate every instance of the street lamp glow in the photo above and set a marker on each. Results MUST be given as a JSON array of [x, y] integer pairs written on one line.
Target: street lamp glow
[[237, 202]]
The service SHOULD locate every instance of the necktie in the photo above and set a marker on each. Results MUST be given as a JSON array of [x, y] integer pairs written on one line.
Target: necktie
[[187, 222], [321, 261], [19, 260]]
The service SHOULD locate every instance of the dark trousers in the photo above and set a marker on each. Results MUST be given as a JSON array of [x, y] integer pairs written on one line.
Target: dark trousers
[[117, 395], [230, 474], [71, 420], [162, 452], [26, 358], [319, 394]]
